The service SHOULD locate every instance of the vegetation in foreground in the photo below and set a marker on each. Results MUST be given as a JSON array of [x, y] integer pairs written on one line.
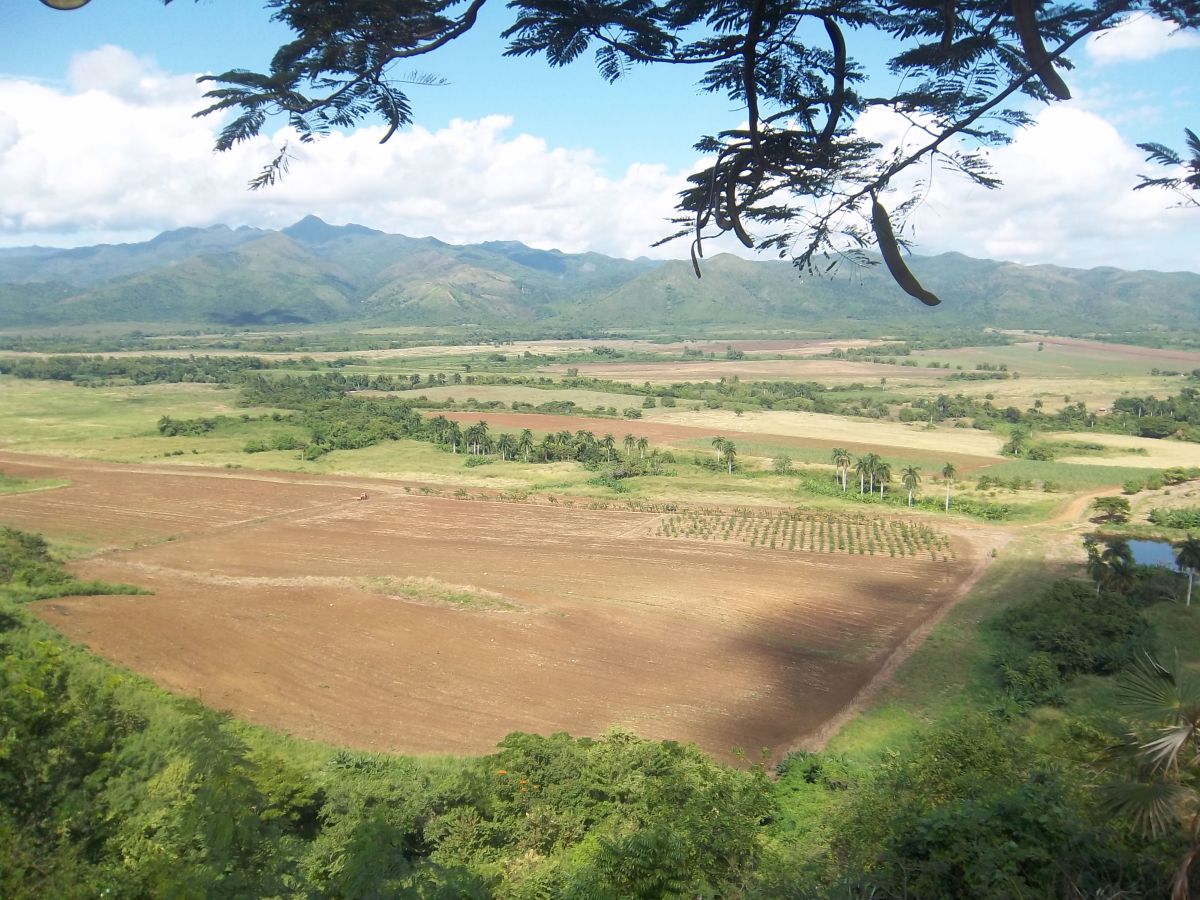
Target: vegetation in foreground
[[112, 786]]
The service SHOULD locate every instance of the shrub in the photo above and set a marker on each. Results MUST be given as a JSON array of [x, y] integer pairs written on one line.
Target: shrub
[[1083, 633], [1186, 517]]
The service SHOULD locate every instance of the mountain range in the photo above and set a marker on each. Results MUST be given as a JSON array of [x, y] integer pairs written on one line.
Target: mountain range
[[313, 272]]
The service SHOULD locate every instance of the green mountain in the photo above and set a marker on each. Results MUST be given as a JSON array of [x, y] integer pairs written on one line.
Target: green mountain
[[313, 272]]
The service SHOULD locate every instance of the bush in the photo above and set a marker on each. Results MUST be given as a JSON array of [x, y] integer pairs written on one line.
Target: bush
[[1083, 633], [1032, 680], [1186, 517]]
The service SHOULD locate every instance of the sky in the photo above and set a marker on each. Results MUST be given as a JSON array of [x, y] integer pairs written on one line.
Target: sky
[[98, 144]]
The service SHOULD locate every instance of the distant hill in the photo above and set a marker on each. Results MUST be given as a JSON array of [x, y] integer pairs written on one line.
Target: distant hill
[[313, 272]]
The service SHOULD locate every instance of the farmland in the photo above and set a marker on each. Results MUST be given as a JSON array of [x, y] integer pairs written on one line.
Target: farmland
[[482, 603], [732, 608], [271, 600]]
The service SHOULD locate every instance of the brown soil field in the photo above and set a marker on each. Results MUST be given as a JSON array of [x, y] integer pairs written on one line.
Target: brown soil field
[[264, 606], [751, 369]]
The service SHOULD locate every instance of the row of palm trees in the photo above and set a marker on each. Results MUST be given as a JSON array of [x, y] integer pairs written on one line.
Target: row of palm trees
[[872, 469], [582, 446]]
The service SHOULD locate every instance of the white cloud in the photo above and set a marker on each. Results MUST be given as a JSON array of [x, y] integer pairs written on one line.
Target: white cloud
[[1067, 198], [120, 157], [1139, 37]]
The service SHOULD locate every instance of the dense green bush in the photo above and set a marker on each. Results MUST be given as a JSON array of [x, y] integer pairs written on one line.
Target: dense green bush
[[1185, 517], [973, 812], [1082, 631]]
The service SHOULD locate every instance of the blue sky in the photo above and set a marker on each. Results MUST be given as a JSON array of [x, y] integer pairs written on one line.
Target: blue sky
[[97, 144]]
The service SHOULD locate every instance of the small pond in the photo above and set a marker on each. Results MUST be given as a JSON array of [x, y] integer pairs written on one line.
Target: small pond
[[1153, 553]]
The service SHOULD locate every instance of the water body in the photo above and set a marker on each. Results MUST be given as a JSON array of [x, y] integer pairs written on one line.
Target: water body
[[1153, 553]]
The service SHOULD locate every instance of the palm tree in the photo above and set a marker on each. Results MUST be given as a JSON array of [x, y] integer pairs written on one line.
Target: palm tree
[[454, 436], [476, 435], [1122, 575], [883, 471], [642, 445], [949, 473], [506, 444], [1188, 559], [719, 442], [861, 466], [525, 443], [1111, 567], [583, 443], [609, 443], [1162, 795], [1017, 440], [730, 453], [629, 443], [841, 459], [911, 476], [438, 426], [873, 462]]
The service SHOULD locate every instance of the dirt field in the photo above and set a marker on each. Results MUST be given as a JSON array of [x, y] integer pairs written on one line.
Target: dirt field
[[264, 606]]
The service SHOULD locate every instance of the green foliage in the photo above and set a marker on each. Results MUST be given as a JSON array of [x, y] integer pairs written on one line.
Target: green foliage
[[1084, 633], [1032, 679], [29, 572], [1114, 509], [1186, 517], [973, 812]]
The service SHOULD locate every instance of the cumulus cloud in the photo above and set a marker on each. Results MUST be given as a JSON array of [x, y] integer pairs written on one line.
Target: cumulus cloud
[[1067, 198], [117, 156], [1138, 37]]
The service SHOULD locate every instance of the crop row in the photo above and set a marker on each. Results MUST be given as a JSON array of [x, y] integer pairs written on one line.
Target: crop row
[[812, 532]]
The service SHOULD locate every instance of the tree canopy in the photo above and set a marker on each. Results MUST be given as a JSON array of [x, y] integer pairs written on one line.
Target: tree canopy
[[793, 176]]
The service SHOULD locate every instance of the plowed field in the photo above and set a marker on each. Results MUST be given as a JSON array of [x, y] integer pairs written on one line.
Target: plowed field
[[272, 600]]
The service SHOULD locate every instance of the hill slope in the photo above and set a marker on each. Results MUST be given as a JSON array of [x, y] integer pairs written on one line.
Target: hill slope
[[316, 272]]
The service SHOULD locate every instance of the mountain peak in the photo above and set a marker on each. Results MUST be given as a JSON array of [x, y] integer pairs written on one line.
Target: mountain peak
[[315, 230]]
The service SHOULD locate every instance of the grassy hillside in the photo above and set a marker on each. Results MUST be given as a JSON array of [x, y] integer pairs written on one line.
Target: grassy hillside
[[315, 272]]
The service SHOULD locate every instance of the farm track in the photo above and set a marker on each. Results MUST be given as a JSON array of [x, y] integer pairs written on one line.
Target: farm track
[[261, 607]]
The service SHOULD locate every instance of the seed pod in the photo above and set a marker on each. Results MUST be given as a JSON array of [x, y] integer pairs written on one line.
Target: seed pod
[[735, 219], [695, 261], [837, 98], [891, 256], [1025, 18]]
